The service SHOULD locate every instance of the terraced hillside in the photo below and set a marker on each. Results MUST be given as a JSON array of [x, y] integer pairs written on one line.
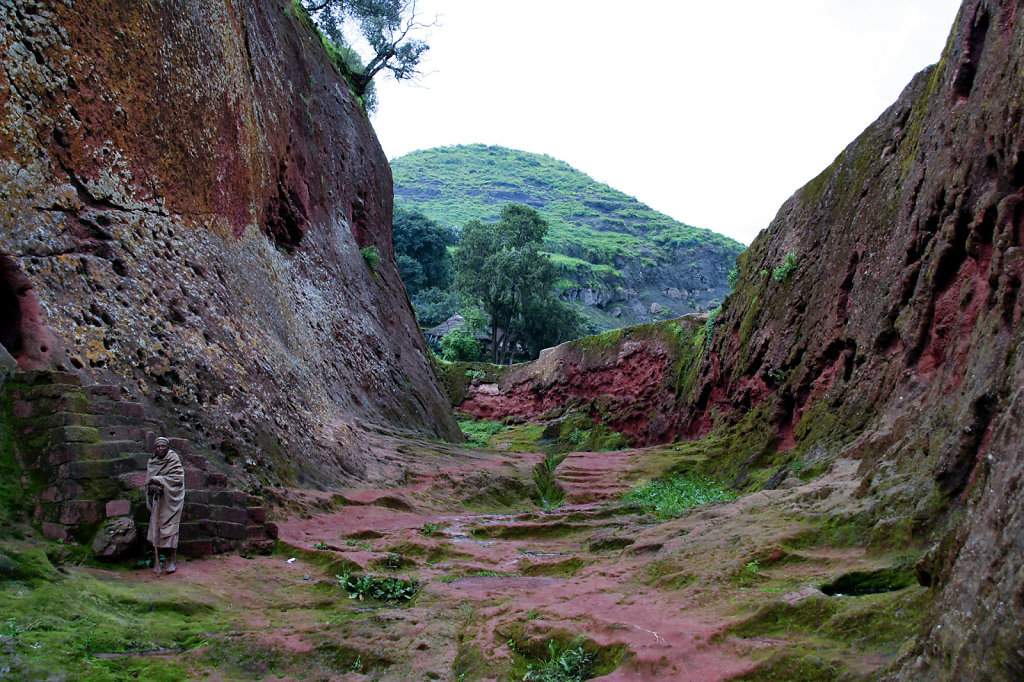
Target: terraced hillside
[[623, 261]]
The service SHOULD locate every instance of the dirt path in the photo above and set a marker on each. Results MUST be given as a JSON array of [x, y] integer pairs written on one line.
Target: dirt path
[[700, 597]]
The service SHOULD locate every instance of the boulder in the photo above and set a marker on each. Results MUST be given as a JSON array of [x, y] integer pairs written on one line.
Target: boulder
[[114, 538]]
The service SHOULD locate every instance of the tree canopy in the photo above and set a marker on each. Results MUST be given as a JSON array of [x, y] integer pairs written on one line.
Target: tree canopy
[[499, 266], [421, 254], [387, 27], [421, 250]]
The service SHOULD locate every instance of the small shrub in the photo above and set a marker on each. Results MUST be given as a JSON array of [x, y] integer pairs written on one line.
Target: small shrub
[[372, 256], [673, 495], [734, 277], [709, 327], [429, 528], [11, 628], [786, 269], [461, 345], [320, 544], [563, 665], [579, 436], [385, 589]]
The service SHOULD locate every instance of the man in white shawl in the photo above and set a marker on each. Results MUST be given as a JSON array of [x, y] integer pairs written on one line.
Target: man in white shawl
[[165, 499]]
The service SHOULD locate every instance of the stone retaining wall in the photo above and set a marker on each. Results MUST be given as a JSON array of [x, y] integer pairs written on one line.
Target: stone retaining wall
[[84, 451]]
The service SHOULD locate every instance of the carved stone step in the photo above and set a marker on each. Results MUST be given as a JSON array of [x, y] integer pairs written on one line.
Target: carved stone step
[[103, 391], [85, 452], [104, 468], [123, 408], [41, 376]]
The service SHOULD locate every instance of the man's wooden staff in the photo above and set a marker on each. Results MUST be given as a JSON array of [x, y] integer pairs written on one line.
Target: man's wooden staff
[[154, 521]]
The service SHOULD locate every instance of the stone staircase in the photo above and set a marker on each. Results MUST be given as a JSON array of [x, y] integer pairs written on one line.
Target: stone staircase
[[85, 450], [589, 477]]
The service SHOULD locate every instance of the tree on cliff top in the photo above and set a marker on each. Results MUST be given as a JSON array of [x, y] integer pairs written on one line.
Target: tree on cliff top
[[386, 26]]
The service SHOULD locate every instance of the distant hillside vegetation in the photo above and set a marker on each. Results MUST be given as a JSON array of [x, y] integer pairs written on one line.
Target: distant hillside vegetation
[[624, 262]]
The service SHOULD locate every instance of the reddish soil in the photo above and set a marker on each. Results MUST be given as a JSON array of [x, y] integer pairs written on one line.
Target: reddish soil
[[663, 592]]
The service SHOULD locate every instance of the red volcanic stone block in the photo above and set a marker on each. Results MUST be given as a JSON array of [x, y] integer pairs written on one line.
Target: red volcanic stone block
[[255, 533], [62, 490], [230, 514], [22, 409], [190, 530], [194, 478], [179, 445], [197, 547], [231, 531], [102, 391], [75, 512], [134, 410], [196, 511], [257, 514], [217, 481], [271, 530], [133, 481], [105, 468], [198, 461], [54, 531], [198, 497], [118, 508], [261, 546]]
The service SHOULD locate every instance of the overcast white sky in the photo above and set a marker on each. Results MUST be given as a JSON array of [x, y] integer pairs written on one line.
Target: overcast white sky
[[711, 112]]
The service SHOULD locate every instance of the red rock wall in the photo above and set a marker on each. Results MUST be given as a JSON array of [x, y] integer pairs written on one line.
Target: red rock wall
[[897, 341], [184, 188], [899, 336]]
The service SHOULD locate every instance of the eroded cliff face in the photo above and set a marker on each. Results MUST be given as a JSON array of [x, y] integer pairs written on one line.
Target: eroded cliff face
[[897, 338], [184, 190], [894, 341]]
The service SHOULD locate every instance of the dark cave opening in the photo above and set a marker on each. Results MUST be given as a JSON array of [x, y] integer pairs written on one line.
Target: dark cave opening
[[10, 309]]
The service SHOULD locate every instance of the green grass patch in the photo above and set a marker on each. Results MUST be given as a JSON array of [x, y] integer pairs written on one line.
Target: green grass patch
[[478, 433], [672, 495], [53, 630]]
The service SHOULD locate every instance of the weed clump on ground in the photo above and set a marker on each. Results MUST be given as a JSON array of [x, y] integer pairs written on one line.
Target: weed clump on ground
[[564, 664], [430, 528], [673, 495], [393, 562], [385, 589]]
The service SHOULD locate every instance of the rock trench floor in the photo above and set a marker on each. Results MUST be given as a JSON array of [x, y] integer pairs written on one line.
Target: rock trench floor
[[727, 591]]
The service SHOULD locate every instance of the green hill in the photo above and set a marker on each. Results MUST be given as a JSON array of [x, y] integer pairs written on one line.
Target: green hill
[[622, 260]]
